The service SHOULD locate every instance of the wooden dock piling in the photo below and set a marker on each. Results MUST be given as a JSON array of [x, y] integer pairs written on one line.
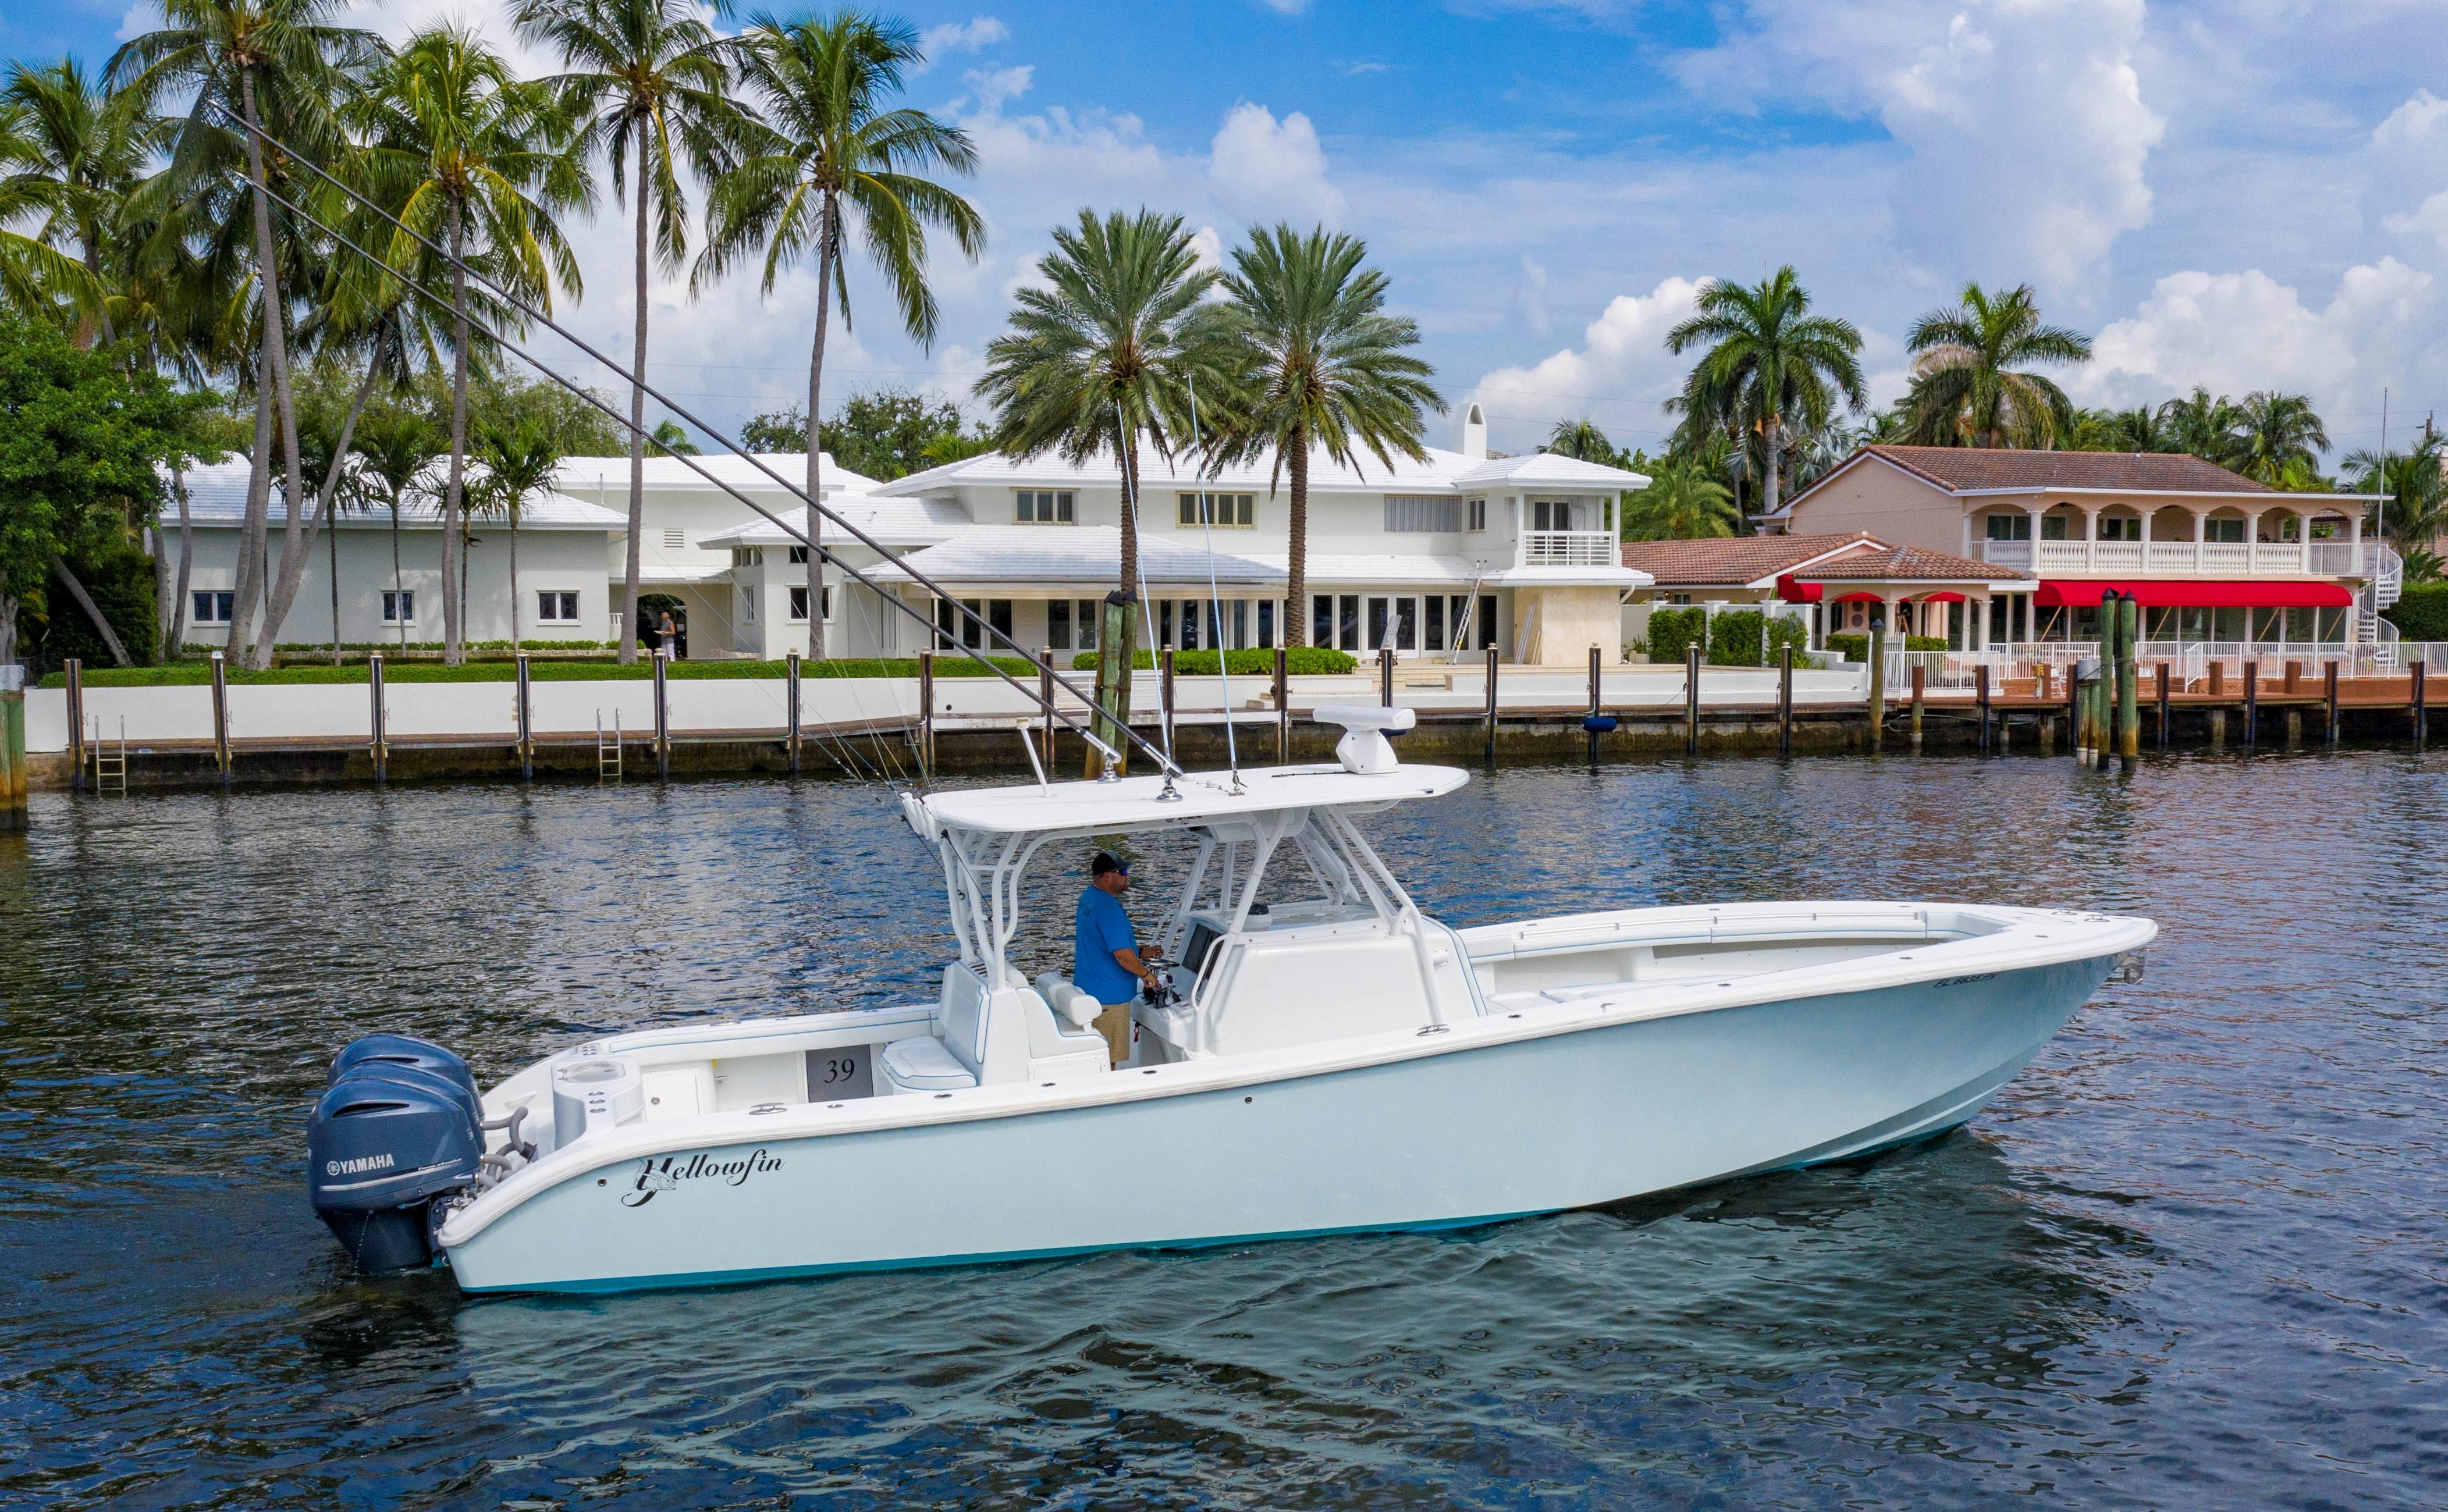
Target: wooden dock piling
[[2163, 705], [526, 725], [1385, 676], [1918, 679], [378, 743], [662, 714], [1690, 698], [927, 708], [2129, 695], [2251, 705], [1877, 683], [72, 673], [13, 748], [2415, 700], [1491, 705], [220, 716], [1980, 701], [1785, 700], [1045, 701], [1283, 706], [2329, 692], [791, 708]]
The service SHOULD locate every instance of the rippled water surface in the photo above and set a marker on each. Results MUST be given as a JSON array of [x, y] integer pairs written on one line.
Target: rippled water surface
[[2192, 1257]]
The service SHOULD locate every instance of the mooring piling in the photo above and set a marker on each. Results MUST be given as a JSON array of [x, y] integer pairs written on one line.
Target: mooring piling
[[1045, 701], [2415, 700], [1283, 705], [926, 704], [526, 725], [2128, 699], [1385, 675], [220, 717], [662, 715], [2251, 705], [2329, 694], [13, 748], [791, 708], [72, 673], [1917, 679], [1784, 699], [1691, 698], [2163, 705], [1491, 705], [1981, 703], [378, 744], [1878, 682]]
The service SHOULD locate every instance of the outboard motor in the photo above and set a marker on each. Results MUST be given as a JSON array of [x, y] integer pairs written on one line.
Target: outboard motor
[[401, 1126]]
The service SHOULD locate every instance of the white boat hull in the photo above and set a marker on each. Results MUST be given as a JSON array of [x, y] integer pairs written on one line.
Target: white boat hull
[[1492, 1122]]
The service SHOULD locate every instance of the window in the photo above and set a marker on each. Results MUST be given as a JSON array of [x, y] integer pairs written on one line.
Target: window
[[2123, 528], [561, 607], [1087, 620], [1266, 624], [399, 608], [1057, 625], [798, 556], [799, 603], [746, 557], [954, 628], [674, 539], [1478, 514], [747, 606], [1071, 625], [1321, 619], [1226, 511], [1412, 512], [2227, 530], [2053, 527], [1042, 506], [215, 609], [2009, 528], [1434, 637]]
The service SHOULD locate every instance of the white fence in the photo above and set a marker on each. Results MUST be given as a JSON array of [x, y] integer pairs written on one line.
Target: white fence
[[2187, 660]]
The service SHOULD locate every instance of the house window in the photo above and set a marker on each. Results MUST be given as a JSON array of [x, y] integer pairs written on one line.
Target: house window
[[1406, 513], [1226, 511], [747, 606], [2230, 531], [555, 605], [1086, 621], [674, 539], [2009, 528], [746, 557], [1478, 514], [2053, 527], [798, 556], [1042, 507], [398, 606], [1433, 623], [2122, 527], [1071, 625], [1559, 514], [799, 604], [954, 628], [215, 609], [1266, 624], [1057, 625]]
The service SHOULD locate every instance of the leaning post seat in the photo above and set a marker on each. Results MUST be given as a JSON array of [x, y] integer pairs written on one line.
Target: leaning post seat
[[983, 1037]]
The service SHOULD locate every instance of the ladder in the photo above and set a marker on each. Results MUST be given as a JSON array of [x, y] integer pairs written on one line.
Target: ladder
[[109, 766], [1460, 634], [608, 753]]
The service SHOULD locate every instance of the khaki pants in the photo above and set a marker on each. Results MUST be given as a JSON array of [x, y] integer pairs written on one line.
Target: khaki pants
[[1115, 1024]]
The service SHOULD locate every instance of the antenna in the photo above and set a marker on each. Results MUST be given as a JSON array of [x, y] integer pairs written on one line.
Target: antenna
[[1126, 453], [1215, 600]]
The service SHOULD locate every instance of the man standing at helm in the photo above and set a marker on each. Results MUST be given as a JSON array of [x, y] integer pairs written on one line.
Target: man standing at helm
[[1105, 952]]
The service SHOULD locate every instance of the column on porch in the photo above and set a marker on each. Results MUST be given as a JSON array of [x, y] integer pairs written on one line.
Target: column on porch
[[2090, 536], [2037, 509]]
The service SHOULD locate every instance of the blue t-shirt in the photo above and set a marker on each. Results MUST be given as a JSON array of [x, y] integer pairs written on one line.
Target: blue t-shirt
[[1101, 928]]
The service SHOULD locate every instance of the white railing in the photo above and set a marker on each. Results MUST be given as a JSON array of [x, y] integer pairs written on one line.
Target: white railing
[[2333, 559], [2187, 661], [1570, 548]]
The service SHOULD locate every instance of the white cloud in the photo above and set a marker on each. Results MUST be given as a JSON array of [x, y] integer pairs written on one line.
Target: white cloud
[[2430, 219], [2232, 333], [1620, 369], [2413, 124], [1263, 169], [2021, 123], [973, 35]]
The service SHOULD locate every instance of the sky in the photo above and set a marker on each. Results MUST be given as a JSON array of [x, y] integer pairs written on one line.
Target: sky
[[2239, 194]]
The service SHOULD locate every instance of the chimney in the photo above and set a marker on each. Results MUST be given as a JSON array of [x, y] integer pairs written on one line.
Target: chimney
[[1473, 440]]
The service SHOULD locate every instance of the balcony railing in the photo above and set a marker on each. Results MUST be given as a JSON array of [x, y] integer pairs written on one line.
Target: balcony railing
[[2225, 559], [1570, 548]]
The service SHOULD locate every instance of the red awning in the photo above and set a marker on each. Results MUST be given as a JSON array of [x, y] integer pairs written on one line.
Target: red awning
[[1858, 598], [1792, 592], [2195, 593], [1943, 598]]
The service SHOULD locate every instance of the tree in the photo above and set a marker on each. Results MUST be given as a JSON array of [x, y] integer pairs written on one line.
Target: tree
[[648, 82], [777, 433], [1582, 439], [480, 164], [1105, 354], [83, 443], [2275, 432], [1970, 387], [1321, 365], [79, 151], [280, 67], [2203, 425], [671, 439], [1683, 502], [36, 278], [396, 446], [1769, 361], [520, 455], [2135, 429], [836, 160], [2416, 482]]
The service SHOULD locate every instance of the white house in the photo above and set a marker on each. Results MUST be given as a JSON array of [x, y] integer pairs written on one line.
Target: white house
[[390, 582], [1461, 551]]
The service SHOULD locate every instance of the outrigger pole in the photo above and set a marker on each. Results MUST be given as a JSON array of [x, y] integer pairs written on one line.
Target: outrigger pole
[[1164, 759]]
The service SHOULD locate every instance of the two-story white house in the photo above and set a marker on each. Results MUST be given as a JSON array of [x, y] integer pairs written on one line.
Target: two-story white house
[[1459, 553]]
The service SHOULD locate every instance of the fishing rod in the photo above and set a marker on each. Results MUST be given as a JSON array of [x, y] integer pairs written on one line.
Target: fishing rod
[[1164, 760]]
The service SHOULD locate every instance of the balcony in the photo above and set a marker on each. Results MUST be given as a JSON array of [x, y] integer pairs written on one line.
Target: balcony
[[2176, 559], [1569, 549]]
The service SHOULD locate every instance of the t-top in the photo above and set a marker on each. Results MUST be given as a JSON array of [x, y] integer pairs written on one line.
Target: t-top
[[1101, 929]]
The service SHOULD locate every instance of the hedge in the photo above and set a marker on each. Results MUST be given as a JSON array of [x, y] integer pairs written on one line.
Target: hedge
[[2423, 613], [1672, 630], [1734, 638], [1301, 660], [1857, 648]]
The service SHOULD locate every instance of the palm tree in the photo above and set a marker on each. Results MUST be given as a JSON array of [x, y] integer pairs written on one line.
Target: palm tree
[[1106, 352], [395, 444], [1582, 439], [1770, 362], [2274, 431], [2139, 428], [1322, 365], [521, 455], [89, 149], [1968, 386], [2416, 482], [834, 159], [480, 163], [2204, 425], [282, 68], [647, 79], [1683, 502], [35, 277]]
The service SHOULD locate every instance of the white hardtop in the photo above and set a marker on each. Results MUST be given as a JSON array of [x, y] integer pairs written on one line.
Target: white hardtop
[[1141, 803]]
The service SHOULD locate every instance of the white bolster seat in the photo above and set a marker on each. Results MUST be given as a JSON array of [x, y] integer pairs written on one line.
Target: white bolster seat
[[982, 1038], [921, 1065]]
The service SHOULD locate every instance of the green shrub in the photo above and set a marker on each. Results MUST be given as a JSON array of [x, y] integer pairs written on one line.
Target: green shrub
[[1851, 647], [2423, 613], [1925, 642], [1672, 630], [1301, 660]]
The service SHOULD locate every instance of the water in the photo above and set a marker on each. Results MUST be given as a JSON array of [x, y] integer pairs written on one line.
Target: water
[[2192, 1257]]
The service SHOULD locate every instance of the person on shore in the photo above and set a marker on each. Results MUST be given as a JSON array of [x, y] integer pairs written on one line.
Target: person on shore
[[669, 632], [1105, 962]]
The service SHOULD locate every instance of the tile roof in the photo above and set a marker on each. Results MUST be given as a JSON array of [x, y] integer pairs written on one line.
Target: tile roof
[[217, 498], [1907, 564], [1732, 559], [1978, 467]]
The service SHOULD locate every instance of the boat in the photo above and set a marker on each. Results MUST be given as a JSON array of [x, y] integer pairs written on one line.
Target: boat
[[1321, 1056]]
